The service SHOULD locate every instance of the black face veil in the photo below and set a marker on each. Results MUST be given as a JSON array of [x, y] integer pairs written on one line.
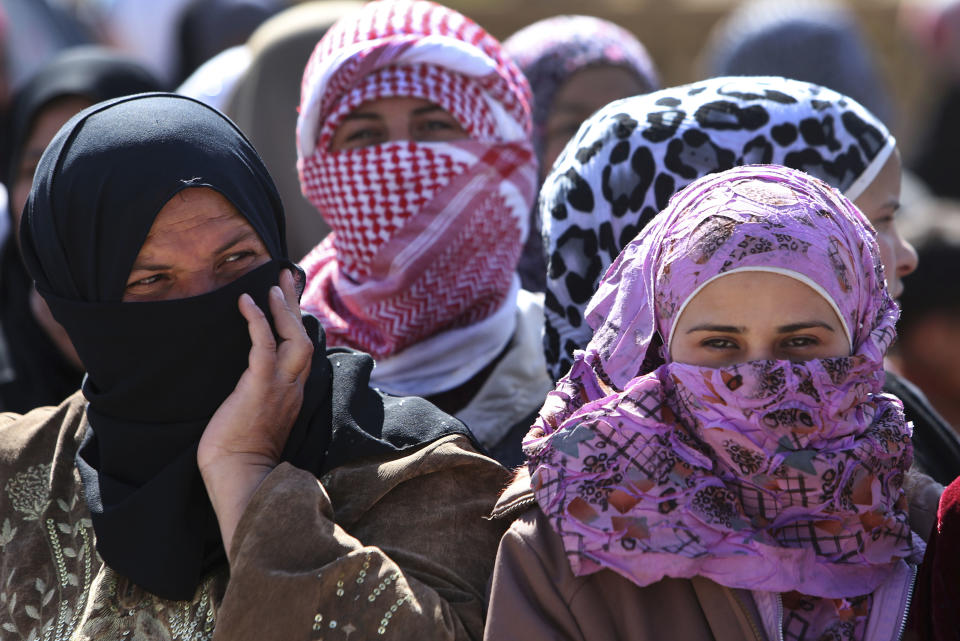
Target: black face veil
[[157, 371]]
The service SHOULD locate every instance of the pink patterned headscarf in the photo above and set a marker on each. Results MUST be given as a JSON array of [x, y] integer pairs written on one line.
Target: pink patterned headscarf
[[768, 475], [426, 236]]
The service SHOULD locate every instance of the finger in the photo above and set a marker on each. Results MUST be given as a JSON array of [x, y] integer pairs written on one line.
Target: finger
[[296, 348], [263, 350], [289, 287]]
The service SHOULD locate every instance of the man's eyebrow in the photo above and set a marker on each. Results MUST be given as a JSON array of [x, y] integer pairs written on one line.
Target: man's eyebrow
[[726, 329], [361, 115], [795, 327]]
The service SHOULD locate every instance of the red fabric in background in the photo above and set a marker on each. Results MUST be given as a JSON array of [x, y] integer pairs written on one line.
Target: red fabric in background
[[935, 614]]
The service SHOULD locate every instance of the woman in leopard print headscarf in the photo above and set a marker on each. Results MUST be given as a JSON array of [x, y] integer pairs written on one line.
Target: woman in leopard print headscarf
[[639, 151]]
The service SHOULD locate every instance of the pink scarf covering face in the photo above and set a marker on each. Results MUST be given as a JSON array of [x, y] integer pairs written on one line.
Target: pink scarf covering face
[[426, 236], [768, 475]]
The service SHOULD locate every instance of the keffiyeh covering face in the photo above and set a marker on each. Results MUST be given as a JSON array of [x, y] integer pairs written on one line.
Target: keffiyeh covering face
[[629, 159], [776, 476], [426, 235], [550, 51]]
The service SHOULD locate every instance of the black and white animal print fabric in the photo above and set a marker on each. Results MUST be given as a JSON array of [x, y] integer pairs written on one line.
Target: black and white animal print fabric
[[632, 156]]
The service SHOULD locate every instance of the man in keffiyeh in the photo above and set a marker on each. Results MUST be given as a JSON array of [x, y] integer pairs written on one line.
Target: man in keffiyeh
[[692, 459], [414, 145]]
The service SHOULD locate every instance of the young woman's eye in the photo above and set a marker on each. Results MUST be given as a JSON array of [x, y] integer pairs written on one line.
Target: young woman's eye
[[799, 342], [362, 135], [440, 128], [719, 343]]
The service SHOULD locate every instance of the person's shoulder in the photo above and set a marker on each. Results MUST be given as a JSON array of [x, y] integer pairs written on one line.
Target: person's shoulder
[[40, 428], [453, 451], [451, 461]]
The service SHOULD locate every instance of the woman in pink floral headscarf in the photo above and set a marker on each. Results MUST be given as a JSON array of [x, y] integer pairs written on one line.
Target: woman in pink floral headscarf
[[413, 143], [720, 461]]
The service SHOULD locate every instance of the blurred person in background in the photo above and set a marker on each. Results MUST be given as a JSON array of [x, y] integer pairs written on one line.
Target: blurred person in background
[[264, 103], [213, 82], [817, 41], [649, 147], [413, 143], [934, 613], [144, 30], [41, 28], [935, 27], [575, 65], [209, 27], [41, 366], [928, 349]]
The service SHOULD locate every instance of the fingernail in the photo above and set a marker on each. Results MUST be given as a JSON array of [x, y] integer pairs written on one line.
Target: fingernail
[[276, 291]]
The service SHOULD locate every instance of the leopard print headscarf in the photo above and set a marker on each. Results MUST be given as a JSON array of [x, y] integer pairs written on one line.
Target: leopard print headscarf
[[627, 160]]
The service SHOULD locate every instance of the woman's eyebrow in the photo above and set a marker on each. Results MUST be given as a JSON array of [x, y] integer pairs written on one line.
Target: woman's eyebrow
[[361, 115], [427, 109], [241, 236], [726, 329], [795, 327]]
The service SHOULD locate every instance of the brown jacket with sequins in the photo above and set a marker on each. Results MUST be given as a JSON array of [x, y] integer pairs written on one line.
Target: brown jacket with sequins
[[393, 548]]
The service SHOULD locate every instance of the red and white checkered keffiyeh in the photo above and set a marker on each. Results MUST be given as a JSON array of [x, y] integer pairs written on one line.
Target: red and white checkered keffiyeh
[[425, 236]]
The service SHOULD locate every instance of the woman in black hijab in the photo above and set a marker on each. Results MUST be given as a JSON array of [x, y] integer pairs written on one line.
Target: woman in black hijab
[[151, 219], [38, 366]]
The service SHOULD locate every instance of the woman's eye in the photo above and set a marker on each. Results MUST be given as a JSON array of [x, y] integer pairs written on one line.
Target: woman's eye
[[361, 134], [437, 129], [144, 282], [719, 343], [883, 223], [433, 125], [362, 138], [796, 342], [232, 258]]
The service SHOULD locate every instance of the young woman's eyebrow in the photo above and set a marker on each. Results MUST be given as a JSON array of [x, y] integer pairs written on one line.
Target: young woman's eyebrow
[[796, 327], [725, 329]]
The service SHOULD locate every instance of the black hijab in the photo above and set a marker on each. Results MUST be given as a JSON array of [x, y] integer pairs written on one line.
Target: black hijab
[[39, 374], [156, 371]]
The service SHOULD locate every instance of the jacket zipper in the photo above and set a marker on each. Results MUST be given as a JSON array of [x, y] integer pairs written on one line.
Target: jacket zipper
[[906, 607], [746, 613], [780, 617]]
